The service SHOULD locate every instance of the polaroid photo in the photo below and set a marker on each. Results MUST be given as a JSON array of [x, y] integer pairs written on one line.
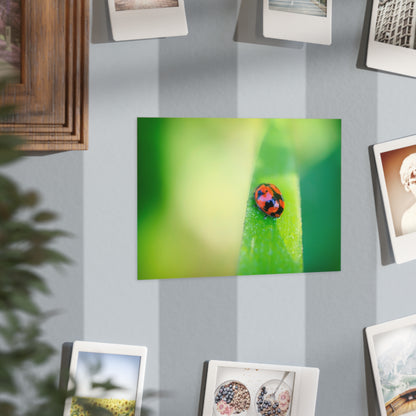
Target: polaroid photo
[[392, 40], [147, 19], [245, 389], [298, 20], [396, 169], [95, 365], [392, 348]]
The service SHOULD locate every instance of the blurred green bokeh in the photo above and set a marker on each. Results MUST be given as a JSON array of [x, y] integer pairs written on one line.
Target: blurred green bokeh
[[194, 181]]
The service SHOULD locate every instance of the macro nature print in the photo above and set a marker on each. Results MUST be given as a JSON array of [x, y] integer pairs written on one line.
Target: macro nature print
[[226, 197]]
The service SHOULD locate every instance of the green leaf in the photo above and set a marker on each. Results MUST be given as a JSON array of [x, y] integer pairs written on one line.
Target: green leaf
[[8, 156], [28, 280], [44, 216], [29, 199], [7, 382], [7, 408], [106, 385], [272, 245], [24, 303], [10, 141], [39, 255]]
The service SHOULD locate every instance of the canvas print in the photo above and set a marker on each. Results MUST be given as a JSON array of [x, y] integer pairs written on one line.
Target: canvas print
[[309, 7], [396, 23], [393, 354], [247, 389], [10, 38], [94, 370], [225, 197], [122, 5]]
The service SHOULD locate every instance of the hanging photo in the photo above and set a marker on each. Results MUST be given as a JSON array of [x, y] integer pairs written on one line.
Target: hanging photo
[[146, 19], [392, 348], [226, 197], [246, 389], [396, 168], [298, 20], [105, 377], [10, 39], [392, 41]]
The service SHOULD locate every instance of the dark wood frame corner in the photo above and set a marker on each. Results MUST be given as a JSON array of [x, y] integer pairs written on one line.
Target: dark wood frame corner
[[51, 100]]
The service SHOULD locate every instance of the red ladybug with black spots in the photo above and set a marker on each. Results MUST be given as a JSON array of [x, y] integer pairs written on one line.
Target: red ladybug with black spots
[[269, 199]]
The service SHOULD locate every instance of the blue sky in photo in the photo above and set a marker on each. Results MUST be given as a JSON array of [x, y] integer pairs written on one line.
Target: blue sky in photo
[[122, 370]]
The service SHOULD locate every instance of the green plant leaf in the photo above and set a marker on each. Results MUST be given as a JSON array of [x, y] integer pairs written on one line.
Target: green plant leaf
[[106, 385], [39, 255], [27, 279], [24, 303], [272, 245], [7, 408], [44, 216]]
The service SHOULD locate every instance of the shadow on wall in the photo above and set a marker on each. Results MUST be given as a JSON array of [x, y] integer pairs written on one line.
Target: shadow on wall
[[386, 251], [101, 27], [249, 27]]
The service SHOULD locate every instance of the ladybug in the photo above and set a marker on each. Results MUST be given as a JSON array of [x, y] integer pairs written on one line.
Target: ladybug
[[269, 199]]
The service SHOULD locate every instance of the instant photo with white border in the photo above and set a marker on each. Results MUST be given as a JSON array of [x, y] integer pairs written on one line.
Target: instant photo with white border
[[290, 20], [140, 20], [122, 365], [298, 385], [392, 349], [396, 169], [388, 35]]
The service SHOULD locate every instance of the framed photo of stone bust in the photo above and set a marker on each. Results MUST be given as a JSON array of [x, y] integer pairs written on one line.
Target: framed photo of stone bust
[[396, 168]]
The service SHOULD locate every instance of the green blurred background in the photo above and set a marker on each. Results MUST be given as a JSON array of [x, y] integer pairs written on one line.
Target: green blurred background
[[194, 186]]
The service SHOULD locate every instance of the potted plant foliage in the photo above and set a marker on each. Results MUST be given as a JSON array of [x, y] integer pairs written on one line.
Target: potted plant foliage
[[26, 246]]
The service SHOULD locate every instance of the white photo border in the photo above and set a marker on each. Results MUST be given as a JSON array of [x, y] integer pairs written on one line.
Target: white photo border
[[104, 348], [386, 57], [148, 23], [403, 245], [304, 392], [297, 27]]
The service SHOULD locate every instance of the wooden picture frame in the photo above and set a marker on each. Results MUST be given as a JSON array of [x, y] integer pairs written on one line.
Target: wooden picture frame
[[51, 99]]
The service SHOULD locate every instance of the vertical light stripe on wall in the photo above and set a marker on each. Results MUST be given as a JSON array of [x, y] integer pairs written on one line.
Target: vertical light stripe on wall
[[271, 84], [118, 307], [396, 118], [339, 305], [197, 78]]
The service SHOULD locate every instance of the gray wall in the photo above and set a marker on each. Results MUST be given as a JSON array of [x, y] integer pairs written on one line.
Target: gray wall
[[208, 74]]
